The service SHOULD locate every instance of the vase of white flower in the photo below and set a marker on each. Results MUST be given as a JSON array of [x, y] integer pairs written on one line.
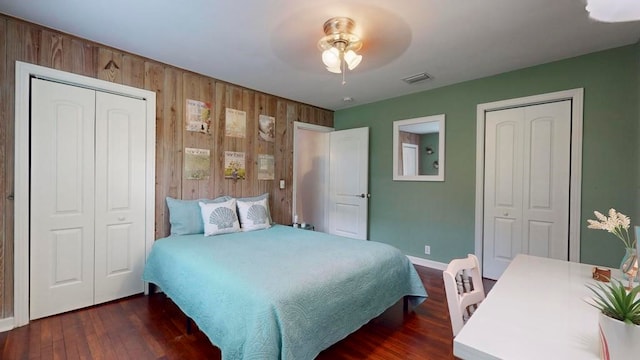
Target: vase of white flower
[[629, 264], [618, 224]]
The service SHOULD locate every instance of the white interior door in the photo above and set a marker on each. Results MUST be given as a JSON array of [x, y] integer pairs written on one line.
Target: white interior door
[[62, 204], [409, 159], [527, 174], [348, 184], [120, 196]]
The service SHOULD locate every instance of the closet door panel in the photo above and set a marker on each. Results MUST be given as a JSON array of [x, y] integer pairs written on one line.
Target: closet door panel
[[120, 196], [62, 207]]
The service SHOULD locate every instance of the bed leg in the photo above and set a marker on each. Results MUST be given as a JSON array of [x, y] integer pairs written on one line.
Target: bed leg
[[405, 304], [188, 326]]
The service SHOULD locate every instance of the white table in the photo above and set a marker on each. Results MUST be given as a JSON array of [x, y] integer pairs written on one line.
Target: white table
[[536, 310]]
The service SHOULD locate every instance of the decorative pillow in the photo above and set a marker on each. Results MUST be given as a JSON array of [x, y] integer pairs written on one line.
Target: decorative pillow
[[185, 217], [254, 215], [264, 196], [219, 218]]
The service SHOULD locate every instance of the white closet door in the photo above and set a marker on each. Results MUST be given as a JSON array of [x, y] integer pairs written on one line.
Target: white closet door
[[503, 189], [547, 179], [62, 207], [120, 196], [527, 173]]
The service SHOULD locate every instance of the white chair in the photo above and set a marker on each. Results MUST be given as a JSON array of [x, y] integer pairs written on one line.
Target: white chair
[[464, 290]]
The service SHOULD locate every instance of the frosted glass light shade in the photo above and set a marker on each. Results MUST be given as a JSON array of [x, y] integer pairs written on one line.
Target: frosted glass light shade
[[352, 59], [614, 10], [331, 58], [334, 69]]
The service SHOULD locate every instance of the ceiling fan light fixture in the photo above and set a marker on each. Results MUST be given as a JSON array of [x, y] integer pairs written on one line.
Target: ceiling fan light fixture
[[331, 57], [340, 45], [352, 59]]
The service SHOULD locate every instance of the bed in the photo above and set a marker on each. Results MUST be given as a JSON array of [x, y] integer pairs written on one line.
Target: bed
[[280, 293]]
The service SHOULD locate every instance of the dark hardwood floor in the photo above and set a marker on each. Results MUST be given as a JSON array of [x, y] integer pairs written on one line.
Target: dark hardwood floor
[[152, 327]]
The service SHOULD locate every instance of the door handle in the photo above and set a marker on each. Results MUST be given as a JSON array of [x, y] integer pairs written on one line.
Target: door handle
[[363, 196]]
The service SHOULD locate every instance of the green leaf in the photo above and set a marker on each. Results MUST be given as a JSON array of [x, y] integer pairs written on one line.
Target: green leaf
[[615, 301]]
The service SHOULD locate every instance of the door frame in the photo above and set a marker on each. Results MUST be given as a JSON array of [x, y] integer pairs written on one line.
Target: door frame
[[297, 126], [575, 183], [21, 236]]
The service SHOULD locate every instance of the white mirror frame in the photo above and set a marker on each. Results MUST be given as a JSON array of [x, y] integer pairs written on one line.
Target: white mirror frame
[[396, 139]]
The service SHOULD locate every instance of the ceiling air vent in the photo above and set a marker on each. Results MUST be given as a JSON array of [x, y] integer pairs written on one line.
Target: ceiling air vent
[[416, 78]]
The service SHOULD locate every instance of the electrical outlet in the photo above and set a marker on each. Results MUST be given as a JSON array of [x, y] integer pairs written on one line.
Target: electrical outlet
[[427, 250]]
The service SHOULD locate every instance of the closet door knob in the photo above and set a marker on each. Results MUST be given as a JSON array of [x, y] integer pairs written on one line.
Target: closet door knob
[[121, 218]]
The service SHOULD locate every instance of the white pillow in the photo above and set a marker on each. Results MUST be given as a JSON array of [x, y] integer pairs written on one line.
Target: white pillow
[[219, 218], [254, 214]]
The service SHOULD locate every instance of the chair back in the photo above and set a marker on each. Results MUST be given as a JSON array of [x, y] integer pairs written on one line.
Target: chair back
[[464, 290]]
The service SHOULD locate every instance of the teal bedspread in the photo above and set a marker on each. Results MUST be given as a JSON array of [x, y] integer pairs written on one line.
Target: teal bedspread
[[280, 293]]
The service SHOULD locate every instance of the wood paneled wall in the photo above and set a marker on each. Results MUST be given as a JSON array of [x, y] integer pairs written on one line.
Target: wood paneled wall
[[34, 44]]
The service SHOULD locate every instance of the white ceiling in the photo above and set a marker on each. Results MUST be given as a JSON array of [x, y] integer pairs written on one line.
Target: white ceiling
[[270, 46]]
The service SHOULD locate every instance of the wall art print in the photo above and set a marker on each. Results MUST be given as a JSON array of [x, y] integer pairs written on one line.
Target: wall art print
[[235, 123], [198, 116], [266, 167], [267, 128], [197, 164], [234, 165]]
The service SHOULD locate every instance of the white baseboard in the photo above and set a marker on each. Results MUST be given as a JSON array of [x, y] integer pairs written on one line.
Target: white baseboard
[[6, 324], [427, 263]]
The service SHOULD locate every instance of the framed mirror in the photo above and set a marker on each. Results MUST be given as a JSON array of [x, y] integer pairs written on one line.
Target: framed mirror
[[418, 149]]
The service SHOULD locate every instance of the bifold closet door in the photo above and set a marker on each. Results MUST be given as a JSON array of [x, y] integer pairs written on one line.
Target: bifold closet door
[[120, 196], [88, 194], [527, 178], [62, 198]]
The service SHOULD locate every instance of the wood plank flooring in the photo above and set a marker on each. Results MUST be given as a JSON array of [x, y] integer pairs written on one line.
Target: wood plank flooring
[[152, 327]]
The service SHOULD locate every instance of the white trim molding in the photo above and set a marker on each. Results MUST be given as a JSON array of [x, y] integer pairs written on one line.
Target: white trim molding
[[6, 324], [577, 99], [427, 263], [24, 73]]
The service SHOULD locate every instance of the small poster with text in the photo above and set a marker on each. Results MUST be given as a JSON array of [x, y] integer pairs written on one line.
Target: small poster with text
[[197, 164], [235, 123], [234, 167], [198, 116]]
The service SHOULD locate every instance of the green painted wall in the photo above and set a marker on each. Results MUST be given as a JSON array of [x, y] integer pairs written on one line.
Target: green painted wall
[[426, 160], [410, 215]]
